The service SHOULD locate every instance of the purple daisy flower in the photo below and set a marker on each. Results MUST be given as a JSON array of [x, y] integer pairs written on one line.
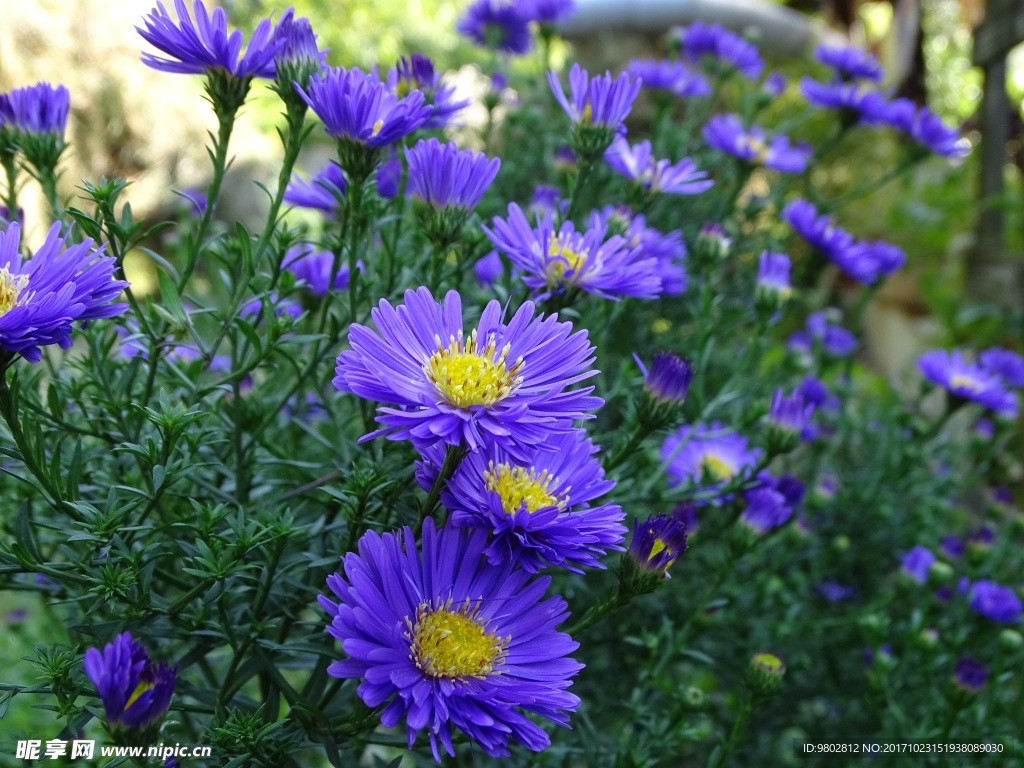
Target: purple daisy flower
[[920, 124], [766, 509], [42, 296], [417, 73], [501, 25], [834, 339], [324, 192], [312, 268], [773, 85], [286, 307], [667, 249], [557, 260], [135, 692], [444, 176], [298, 57], [39, 109], [773, 284], [637, 164], [547, 198], [541, 511], [850, 63], [721, 45], [856, 99], [1007, 365], [820, 232], [547, 11], [727, 134], [869, 262], [709, 455], [504, 381], [445, 639], [969, 674], [489, 269], [359, 108], [995, 602], [952, 547], [669, 379], [598, 101], [916, 562], [669, 75], [788, 415], [657, 543], [200, 46], [965, 380], [389, 175]]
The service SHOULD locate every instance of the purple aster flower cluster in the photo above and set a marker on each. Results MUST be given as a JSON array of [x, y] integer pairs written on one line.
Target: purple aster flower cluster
[[849, 63], [821, 329], [539, 511], [416, 73], [727, 134], [444, 176], [709, 455], [200, 46], [42, 296], [967, 381], [673, 76], [637, 163], [865, 261], [135, 692], [556, 260], [444, 639], [500, 25], [721, 46], [916, 563], [439, 382], [324, 192]]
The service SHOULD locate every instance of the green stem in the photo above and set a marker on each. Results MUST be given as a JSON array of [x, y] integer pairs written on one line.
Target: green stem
[[225, 124], [452, 458], [48, 181], [598, 612], [640, 433], [586, 166], [11, 171], [739, 729]]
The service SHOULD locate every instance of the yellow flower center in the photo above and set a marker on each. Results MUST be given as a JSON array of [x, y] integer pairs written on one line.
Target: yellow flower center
[[405, 86], [717, 468], [517, 486], [453, 644], [140, 689], [11, 287], [757, 146], [959, 381], [588, 114], [562, 259], [466, 375], [377, 126]]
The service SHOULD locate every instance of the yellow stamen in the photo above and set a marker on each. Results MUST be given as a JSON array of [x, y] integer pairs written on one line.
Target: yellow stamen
[[588, 114], [959, 381], [453, 644], [517, 486], [562, 259], [376, 127], [405, 86], [466, 375], [717, 468], [758, 146], [11, 287], [140, 689]]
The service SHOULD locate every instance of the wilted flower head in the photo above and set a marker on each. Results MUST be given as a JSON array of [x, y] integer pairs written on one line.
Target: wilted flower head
[[850, 63], [201, 46], [554, 261], [673, 76], [324, 192], [995, 602], [42, 296], [462, 645], [505, 381], [723, 47], [597, 107], [965, 380], [417, 73], [501, 25], [657, 543], [727, 134], [544, 510], [637, 164], [135, 692], [916, 562]]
